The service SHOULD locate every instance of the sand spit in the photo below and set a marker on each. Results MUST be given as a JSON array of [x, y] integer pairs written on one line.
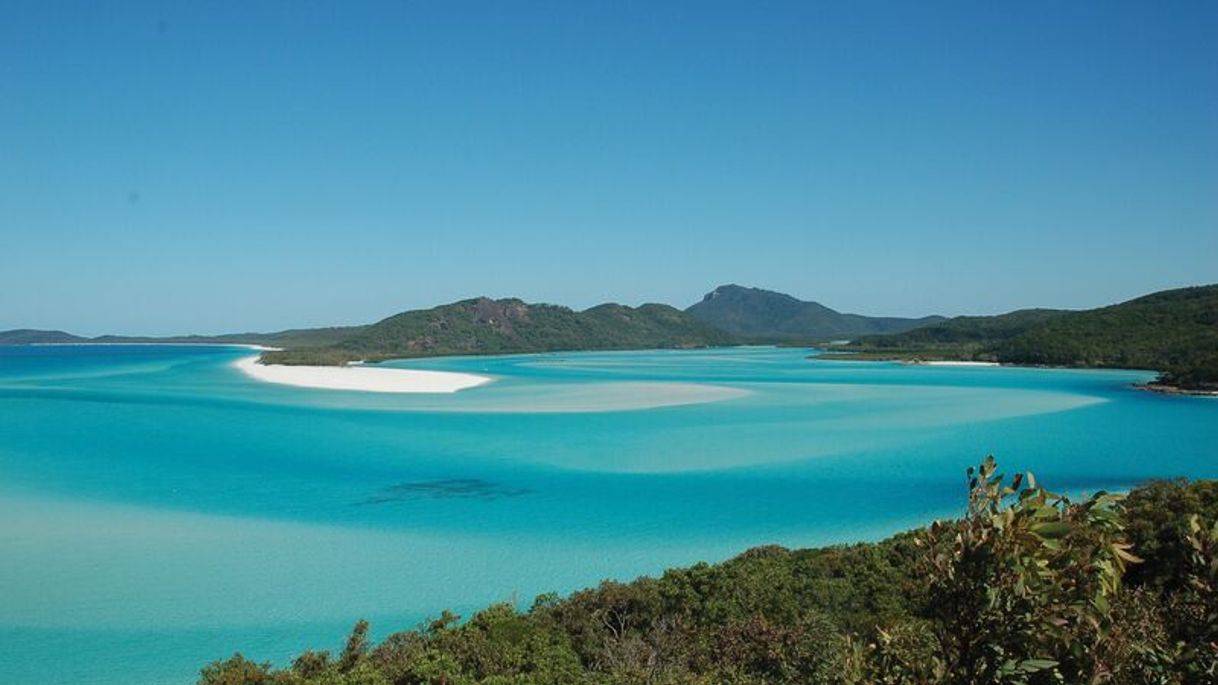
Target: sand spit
[[361, 378]]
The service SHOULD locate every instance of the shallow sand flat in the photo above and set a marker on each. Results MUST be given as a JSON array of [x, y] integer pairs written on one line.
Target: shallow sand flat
[[361, 378], [595, 397]]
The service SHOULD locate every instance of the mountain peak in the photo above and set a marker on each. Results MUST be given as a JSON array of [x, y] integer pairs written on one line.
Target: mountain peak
[[767, 315], [733, 289]]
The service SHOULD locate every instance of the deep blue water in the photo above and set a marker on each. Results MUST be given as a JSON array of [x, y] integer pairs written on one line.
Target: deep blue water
[[159, 509]]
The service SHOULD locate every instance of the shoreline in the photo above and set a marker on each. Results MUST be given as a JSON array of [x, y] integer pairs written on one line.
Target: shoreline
[[1159, 388], [834, 356], [1164, 389], [916, 362], [360, 378]]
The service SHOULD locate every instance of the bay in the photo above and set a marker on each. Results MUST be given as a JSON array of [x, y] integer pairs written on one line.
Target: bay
[[159, 509]]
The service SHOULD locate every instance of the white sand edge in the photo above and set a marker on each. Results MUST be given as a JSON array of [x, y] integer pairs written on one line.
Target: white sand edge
[[361, 378], [958, 363]]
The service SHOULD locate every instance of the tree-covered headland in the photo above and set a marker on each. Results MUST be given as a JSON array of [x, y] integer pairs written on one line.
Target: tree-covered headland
[[1174, 332], [1029, 587]]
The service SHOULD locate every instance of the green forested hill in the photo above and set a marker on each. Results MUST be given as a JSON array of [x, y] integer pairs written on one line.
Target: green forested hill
[[763, 315], [965, 330], [1173, 331], [486, 326]]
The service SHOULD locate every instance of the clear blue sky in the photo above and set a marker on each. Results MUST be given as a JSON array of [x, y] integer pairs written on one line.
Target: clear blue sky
[[218, 166]]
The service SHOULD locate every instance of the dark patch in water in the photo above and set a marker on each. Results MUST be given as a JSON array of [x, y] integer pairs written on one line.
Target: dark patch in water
[[449, 488]]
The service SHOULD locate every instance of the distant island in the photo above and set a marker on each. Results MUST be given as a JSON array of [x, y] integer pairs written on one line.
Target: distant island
[[289, 338], [1174, 332]]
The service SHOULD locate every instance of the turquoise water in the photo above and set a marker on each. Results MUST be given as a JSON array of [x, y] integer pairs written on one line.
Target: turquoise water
[[159, 509]]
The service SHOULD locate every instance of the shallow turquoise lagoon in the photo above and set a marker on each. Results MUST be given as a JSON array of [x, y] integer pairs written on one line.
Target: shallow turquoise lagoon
[[159, 509]]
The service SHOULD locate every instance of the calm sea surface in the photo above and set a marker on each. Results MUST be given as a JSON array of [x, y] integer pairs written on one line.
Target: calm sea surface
[[158, 509]]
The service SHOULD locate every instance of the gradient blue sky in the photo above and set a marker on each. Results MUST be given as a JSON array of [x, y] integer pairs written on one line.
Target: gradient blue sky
[[207, 167]]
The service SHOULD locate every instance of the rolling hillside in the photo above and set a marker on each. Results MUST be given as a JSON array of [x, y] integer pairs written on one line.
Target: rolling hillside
[[1173, 331], [486, 326], [767, 316]]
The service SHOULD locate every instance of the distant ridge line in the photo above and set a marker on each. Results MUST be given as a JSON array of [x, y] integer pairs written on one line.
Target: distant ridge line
[[768, 316]]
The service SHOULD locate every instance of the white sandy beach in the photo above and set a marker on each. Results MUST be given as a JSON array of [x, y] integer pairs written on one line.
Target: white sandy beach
[[959, 363], [361, 378]]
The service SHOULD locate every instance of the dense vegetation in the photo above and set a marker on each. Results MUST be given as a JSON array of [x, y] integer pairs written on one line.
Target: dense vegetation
[[1174, 332], [967, 332], [485, 326], [765, 316], [1027, 588]]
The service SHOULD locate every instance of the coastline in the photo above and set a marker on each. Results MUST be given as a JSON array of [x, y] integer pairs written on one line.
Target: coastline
[[361, 378], [834, 356], [1160, 388], [916, 362], [1164, 389]]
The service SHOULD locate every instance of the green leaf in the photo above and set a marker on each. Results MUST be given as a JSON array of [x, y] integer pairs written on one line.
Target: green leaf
[[1051, 529], [1035, 665], [1101, 603]]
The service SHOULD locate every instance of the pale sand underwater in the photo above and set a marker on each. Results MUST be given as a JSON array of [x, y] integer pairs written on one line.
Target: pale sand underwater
[[160, 495]]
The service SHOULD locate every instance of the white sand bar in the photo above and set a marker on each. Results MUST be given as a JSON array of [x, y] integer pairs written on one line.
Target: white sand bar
[[959, 363], [361, 378]]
